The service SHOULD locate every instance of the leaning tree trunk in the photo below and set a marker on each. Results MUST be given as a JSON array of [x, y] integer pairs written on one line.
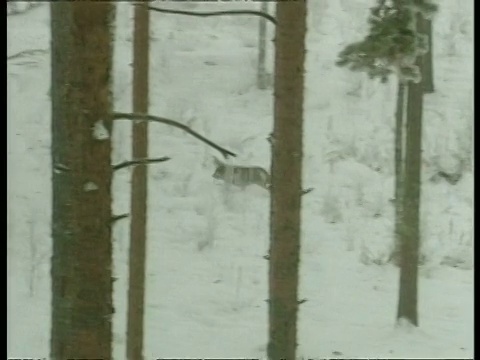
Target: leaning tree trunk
[[410, 228], [138, 208], [287, 154], [81, 271]]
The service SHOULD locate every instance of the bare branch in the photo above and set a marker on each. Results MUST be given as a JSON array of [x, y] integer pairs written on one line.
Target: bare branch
[[215, 13], [115, 218], [27, 53], [129, 116], [139, 162], [306, 191]]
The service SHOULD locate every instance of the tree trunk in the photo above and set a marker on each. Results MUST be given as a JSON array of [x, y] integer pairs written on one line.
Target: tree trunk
[[410, 228], [399, 168], [262, 82], [425, 27], [138, 209], [287, 154], [81, 270]]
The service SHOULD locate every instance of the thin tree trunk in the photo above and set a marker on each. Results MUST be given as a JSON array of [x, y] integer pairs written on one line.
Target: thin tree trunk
[[410, 229], [138, 210], [81, 270], [262, 49], [287, 154], [399, 168], [425, 27]]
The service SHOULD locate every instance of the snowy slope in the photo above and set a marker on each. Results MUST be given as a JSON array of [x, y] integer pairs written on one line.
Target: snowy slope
[[206, 276]]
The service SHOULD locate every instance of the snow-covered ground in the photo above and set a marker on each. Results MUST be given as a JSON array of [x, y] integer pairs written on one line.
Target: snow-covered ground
[[206, 276]]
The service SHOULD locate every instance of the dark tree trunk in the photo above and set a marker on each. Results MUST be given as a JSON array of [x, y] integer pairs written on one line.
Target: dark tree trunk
[[287, 154], [138, 209], [410, 229], [399, 168], [425, 27], [81, 271]]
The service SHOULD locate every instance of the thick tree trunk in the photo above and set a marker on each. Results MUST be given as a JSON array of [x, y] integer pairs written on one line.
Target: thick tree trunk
[[410, 229], [81, 269], [287, 154], [138, 209]]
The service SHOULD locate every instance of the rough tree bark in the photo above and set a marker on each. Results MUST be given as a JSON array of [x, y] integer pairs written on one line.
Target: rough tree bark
[[410, 228], [138, 207], [287, 154], [81, 269]]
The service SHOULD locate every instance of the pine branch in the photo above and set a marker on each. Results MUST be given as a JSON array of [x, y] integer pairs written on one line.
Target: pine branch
[[391, 45], [215, 13], [129, 116], [138, 162]]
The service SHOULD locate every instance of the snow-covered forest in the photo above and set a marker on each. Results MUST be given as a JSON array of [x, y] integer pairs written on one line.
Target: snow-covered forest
[[206, 275]]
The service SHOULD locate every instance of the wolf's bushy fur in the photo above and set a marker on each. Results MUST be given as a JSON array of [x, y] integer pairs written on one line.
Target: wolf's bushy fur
[[241, 176]]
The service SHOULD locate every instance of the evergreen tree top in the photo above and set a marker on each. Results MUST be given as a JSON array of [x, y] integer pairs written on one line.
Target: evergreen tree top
[[393, 43]]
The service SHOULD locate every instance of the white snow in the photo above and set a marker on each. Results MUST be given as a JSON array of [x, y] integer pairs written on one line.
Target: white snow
[[206, 276], [100, 132], [90, 186]]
